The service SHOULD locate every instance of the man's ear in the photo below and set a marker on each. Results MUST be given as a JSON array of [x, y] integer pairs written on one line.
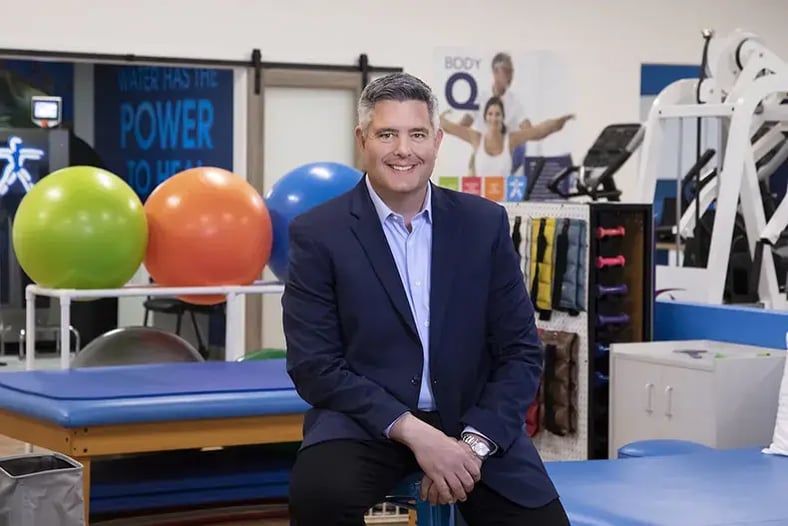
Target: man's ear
[[360, 139]]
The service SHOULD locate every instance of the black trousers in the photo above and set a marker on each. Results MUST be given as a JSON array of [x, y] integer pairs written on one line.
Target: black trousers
[[336, 482]]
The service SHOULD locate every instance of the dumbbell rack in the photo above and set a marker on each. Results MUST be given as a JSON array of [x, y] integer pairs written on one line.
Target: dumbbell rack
[[620, 292]]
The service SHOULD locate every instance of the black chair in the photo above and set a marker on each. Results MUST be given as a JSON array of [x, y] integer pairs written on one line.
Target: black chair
[[178, 308]]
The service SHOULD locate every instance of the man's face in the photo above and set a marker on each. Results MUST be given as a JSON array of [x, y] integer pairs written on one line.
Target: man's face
[[502, 77], [400, 146]]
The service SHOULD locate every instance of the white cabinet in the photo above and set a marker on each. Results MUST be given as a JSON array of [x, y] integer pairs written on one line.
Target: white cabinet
[[720, 394]]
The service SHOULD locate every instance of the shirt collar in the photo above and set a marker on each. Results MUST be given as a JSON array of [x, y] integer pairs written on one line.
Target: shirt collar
[[384, 211]]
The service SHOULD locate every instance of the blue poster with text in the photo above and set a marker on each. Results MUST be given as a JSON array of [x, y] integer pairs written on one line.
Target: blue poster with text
[[153, 122]]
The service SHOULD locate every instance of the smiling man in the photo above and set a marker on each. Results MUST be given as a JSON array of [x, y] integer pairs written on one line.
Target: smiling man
[[410, 332]]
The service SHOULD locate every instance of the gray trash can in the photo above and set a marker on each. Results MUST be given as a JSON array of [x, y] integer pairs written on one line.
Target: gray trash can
[[41, 490]]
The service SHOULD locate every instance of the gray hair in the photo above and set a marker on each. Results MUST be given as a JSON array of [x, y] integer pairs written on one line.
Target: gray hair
[[400, 87], [502, 59]]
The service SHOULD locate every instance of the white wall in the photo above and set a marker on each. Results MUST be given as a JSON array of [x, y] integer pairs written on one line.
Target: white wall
[[604, 42]]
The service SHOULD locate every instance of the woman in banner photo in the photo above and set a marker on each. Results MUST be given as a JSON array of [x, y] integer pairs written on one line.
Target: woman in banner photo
[[492, 149]]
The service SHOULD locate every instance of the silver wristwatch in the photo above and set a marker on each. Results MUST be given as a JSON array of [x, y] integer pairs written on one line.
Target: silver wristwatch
[[479, 446]]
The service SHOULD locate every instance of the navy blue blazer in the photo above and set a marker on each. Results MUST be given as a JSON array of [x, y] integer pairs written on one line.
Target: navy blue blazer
[[353, 351]]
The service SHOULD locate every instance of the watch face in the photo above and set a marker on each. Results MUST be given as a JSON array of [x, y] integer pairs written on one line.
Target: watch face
[[480, 449]]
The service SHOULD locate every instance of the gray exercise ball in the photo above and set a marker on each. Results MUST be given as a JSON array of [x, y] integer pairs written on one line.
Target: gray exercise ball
[[136, 346]]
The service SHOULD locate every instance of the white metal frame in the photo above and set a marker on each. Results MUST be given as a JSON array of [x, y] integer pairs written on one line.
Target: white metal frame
[[234, 341], [744, 89]]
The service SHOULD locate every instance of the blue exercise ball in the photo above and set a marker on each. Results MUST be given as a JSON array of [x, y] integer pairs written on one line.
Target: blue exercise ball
[[298, 191]]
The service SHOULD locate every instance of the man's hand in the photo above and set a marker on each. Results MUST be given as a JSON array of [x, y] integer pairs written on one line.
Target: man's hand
[[449, 464], [429, 490]]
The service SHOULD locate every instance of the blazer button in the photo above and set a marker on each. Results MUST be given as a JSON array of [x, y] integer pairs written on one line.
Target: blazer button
[[414, 380]]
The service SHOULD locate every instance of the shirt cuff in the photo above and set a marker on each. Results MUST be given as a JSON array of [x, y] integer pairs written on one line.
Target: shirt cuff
[[493, 445], [388, 429]]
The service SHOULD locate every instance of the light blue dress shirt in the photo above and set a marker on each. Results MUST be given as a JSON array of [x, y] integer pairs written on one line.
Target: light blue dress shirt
[[412, 251]]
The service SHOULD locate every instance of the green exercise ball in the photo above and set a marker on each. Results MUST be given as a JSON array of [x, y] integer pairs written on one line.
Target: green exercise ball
[[80, 227], [264, 354]]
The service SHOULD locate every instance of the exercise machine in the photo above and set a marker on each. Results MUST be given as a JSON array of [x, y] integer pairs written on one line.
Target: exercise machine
[[697, 196], [594, 178], [741, 89]]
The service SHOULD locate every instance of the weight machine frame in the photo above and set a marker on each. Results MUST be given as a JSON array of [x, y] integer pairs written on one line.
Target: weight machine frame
[[744, 88]]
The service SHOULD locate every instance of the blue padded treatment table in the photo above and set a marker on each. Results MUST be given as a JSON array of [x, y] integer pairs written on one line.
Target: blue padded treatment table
[[719, 488], [109, 411], [151, 393]]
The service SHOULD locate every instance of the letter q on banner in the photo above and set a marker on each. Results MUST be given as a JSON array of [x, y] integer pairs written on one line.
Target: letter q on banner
[[460, 89]]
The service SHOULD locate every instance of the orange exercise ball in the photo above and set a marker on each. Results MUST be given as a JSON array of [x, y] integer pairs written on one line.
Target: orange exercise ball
[[207, 227]]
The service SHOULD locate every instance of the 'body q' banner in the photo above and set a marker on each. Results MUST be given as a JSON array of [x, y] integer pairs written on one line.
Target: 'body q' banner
[[501, 112]]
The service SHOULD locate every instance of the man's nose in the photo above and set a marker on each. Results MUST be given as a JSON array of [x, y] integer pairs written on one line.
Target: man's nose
[[403, 146]]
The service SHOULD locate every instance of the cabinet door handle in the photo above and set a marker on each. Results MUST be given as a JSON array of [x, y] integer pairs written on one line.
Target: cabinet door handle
[[669, 399], [649, 389]]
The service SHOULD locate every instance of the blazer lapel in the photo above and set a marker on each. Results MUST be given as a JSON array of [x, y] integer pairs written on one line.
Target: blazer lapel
[[445, 254], [369, 231]]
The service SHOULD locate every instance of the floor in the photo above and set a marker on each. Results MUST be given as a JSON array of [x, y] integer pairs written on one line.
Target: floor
[[10, 447]]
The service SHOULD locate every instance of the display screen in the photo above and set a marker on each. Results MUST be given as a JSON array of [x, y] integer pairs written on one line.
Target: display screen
[[46, 109]]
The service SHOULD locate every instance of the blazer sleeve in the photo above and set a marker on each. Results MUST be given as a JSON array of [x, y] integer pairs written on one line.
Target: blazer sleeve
[[514, 342], [315, 353]]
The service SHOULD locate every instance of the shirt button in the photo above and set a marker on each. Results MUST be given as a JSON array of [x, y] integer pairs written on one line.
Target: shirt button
[[427, 323], [418, 283]]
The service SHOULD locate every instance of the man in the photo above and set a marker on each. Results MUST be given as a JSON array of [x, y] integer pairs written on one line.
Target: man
[[410, 333]]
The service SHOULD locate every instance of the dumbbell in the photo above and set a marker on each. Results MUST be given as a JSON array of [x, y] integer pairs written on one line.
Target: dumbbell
[[603, 290], [602, 232], [615, 319], [615, 261]]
